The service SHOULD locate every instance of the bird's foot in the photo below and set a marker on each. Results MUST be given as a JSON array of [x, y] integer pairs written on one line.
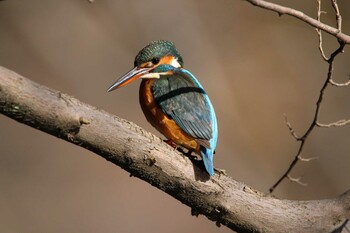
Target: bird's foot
[[171, 143], [189, 153]]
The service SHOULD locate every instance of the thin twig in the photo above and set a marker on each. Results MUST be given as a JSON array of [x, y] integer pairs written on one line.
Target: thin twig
[[328, 81], [340, 84], [281, 10], [337, 14], [334, 124], [319, 32], [307, 159], [291, 130], [315, 119], [296, 180]]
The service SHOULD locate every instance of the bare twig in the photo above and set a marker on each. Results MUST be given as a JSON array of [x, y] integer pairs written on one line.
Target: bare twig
[[338, 17], [307, 159], [334, 124], [281, 10], [340, 84], [296, 180], [319, 32], [291, 130], [315, 119], [328, 80]]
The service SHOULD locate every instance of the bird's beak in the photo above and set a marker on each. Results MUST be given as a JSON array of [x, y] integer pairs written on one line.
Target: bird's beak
[[129, 77]]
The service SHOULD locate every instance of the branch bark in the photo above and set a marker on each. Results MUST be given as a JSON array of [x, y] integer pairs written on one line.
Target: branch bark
[[123, 143]]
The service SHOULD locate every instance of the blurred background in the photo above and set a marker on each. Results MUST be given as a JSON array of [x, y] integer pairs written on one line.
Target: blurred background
[[255, 66]]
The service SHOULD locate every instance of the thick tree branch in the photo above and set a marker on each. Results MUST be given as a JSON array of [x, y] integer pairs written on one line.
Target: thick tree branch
[[282, 10], [123, 143]]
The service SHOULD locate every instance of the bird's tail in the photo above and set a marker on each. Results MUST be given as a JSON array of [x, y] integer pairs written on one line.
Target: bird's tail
[[207, 156]]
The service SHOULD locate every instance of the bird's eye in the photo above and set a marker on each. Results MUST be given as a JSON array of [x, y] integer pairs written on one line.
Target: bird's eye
[[155, 60]]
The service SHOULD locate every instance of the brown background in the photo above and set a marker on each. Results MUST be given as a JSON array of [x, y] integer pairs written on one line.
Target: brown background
[[254, 65]]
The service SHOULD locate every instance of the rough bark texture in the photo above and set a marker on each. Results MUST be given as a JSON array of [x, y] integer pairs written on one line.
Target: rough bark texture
[[123, 143]]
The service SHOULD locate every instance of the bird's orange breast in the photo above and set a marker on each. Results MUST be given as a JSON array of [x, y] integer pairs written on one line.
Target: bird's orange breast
[[161, 121]]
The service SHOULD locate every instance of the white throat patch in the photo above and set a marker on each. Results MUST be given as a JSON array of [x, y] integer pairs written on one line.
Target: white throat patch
[[151, 75], [175, 63]]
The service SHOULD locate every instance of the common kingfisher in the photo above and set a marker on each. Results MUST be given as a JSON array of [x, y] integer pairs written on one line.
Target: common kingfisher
[[173, 100]]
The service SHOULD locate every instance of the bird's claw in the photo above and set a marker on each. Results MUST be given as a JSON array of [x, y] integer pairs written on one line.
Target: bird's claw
[[170, 143]]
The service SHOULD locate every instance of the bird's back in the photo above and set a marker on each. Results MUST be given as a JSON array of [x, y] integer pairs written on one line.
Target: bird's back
[[183, 99]]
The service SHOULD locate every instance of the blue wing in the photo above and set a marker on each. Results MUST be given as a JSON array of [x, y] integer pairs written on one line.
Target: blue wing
[[182, 98]]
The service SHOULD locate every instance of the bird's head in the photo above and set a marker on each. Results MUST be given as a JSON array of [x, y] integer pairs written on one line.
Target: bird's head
[[158, 53]]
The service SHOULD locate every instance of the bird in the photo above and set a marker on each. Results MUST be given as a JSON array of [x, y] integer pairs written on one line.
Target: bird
[[173, 101]]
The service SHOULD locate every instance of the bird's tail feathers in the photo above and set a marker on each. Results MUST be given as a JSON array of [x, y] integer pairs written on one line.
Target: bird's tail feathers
[[207, 156]]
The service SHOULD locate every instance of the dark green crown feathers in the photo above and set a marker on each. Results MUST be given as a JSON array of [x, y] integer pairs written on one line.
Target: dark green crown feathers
[[155, 51]]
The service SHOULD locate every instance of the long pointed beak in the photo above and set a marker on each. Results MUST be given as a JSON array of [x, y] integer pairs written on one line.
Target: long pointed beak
[[129, 77]]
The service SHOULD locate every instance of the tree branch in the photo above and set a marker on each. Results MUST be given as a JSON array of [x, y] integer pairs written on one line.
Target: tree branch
[[342, 40], [314, 122], [282, 10], [123, 143]]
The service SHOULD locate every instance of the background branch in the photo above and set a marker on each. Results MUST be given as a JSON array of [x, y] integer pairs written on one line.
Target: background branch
[[220, 198], [282, 10], [343, 40], [313, 124]]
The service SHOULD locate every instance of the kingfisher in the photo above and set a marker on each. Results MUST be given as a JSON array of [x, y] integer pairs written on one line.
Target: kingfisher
[[173, 100]]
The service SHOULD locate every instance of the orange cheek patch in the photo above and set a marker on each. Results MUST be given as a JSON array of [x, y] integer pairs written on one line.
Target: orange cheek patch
[[167, 60]]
